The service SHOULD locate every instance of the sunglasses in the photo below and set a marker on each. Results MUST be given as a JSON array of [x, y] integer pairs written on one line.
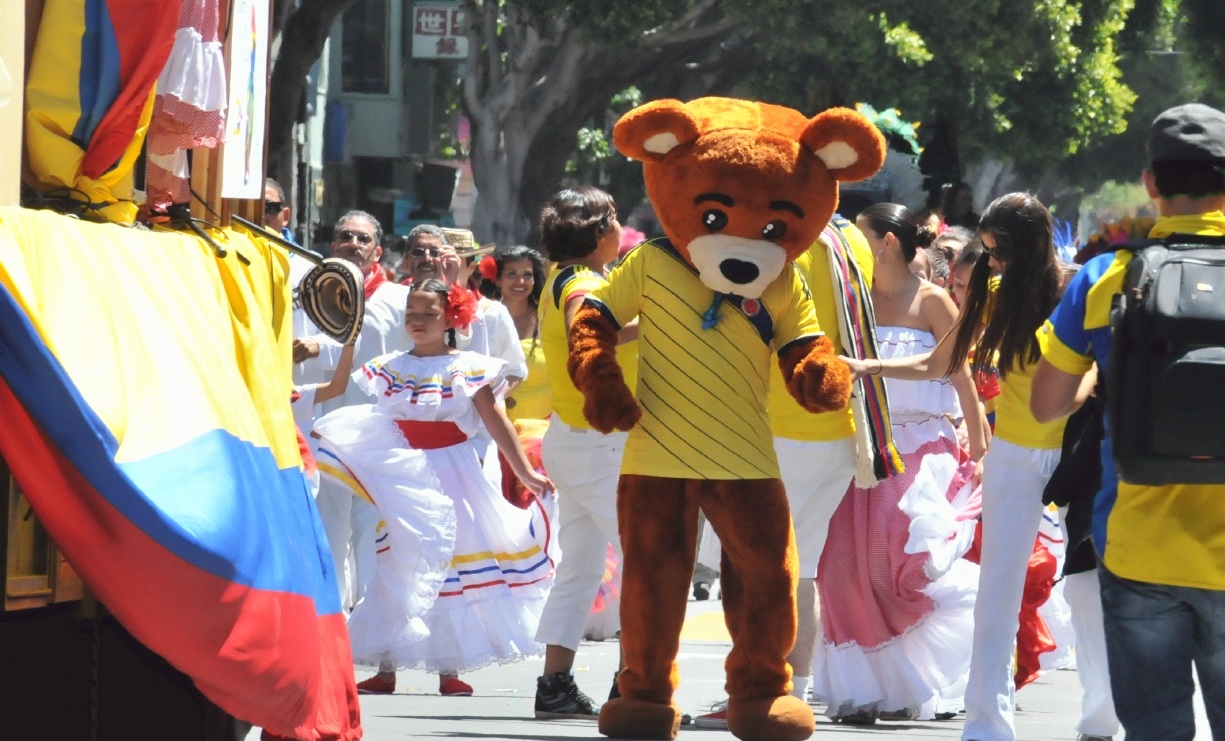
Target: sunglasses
[[346, 235], [272, 208], [423, 251]]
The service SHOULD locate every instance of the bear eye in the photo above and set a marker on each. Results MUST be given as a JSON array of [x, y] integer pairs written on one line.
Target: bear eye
[[775, 229], [714, 220]]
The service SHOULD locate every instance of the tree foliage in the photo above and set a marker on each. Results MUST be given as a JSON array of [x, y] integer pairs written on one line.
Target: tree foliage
[[1046, 83], [1204, 35], [1031, 81]]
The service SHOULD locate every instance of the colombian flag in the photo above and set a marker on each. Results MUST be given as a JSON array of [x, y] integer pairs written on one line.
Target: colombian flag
[[144, 393], [89, 94]]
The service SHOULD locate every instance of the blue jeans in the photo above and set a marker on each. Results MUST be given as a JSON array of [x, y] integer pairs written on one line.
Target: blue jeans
[[1154, 632]]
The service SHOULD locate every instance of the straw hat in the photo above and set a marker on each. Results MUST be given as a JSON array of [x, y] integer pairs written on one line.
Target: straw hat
[[465, 243]]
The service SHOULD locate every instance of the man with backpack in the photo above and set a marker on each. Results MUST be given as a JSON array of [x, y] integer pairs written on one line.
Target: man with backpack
[[1152, 317]]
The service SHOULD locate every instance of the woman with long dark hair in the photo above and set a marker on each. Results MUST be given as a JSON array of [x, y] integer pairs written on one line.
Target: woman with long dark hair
[[897, 600], [515, 276], [999, 321]]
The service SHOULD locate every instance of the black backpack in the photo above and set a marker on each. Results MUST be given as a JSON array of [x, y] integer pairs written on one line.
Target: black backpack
[[1165, 387]]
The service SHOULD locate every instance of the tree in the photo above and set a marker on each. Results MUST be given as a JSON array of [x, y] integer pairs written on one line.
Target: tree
[[1031, 81], [1204, 36], [303, 32], [539, 70]]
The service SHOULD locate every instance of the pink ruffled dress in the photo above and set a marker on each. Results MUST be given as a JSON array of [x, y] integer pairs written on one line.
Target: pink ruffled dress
[[897, 599]]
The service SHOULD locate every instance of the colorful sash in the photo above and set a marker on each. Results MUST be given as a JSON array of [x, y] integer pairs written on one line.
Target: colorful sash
[[875, 456]]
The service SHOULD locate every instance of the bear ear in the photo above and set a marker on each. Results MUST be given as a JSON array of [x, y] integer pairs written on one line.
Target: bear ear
[[652, 130], [847, 142]]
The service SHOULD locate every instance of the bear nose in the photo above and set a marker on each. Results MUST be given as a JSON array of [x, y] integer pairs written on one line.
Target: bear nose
[[739, 271]]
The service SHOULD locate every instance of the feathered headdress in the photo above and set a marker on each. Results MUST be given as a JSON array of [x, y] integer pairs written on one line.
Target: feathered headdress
[[897, 132], [461, 306]]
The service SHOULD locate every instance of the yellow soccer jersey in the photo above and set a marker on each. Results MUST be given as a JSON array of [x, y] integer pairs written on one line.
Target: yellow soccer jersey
[[1171, 534], [1013, 420], [561, 284], [789, 419], [703, 392]]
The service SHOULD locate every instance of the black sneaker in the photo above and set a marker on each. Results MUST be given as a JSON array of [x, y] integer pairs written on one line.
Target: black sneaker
[[701, 591], [557, 696]]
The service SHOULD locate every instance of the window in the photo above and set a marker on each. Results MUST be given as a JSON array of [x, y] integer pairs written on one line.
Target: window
[[364, 48]]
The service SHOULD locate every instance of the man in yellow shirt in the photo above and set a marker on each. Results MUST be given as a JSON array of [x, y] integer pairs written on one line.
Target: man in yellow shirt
[[800, 438], [1161, 548]]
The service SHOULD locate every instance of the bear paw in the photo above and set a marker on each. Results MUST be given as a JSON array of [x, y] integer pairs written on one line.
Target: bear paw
[[612, 407], [783, 718], [820, 381]]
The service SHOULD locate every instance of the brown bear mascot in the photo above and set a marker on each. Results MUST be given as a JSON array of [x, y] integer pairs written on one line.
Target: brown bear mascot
[[741, 190]]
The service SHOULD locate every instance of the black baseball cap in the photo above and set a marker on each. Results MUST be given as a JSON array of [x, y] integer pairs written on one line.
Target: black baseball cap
[[1191, 133]]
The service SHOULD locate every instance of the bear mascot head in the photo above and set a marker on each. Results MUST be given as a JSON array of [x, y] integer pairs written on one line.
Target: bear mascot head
[[742, 188]]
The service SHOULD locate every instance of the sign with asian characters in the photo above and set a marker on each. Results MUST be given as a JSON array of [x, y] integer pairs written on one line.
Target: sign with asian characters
[[438, 31]]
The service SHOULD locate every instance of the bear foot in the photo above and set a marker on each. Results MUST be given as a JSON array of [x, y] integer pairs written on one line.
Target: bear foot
[[783, 718], [626, 717]]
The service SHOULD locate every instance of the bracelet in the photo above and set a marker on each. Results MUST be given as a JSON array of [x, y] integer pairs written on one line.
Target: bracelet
[[879, 369]]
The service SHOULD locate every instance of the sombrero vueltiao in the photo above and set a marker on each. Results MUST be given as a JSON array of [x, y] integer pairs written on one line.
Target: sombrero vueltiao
[[333, 296]]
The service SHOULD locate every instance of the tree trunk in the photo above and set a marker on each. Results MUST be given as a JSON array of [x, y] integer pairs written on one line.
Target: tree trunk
[[302, 40], [528, 90]]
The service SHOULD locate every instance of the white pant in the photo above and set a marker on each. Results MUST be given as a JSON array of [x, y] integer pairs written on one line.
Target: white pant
[[350, 524], [585, 467], [816, 476], [1013, 480], [1084, 595]]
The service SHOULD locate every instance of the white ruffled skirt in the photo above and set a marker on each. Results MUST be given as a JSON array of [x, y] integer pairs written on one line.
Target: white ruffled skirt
[[462, 574]]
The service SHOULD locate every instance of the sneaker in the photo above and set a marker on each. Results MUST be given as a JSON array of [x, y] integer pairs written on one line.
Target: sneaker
[[1091, 737], [861, 717], [701, 591], [895, 715], [716, 718], [455, 688], [376, 685], [557, 696]]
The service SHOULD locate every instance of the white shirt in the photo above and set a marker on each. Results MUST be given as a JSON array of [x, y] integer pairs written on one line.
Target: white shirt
[[493, 333]]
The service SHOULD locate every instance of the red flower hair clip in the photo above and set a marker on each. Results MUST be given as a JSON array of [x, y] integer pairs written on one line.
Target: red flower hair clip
[[489, 268], [461, 306]]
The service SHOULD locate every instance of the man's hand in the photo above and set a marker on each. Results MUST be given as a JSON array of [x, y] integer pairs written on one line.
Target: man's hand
[[304, 348]]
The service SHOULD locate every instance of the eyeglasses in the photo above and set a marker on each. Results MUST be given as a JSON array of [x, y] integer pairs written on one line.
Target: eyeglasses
[[272, 208], [345, 235], [423, 251]]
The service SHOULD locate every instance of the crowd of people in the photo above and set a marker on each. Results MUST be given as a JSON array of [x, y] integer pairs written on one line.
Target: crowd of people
[[471, 508]]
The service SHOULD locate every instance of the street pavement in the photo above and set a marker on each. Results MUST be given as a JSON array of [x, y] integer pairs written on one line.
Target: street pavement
[[501, 708]]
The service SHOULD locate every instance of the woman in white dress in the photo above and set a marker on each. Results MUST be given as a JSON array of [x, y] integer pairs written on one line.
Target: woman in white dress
[[897, 600], [462, 573]]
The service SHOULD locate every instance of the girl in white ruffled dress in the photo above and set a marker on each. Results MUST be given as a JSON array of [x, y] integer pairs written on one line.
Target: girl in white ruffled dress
[[897, 599], [462, 573]]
